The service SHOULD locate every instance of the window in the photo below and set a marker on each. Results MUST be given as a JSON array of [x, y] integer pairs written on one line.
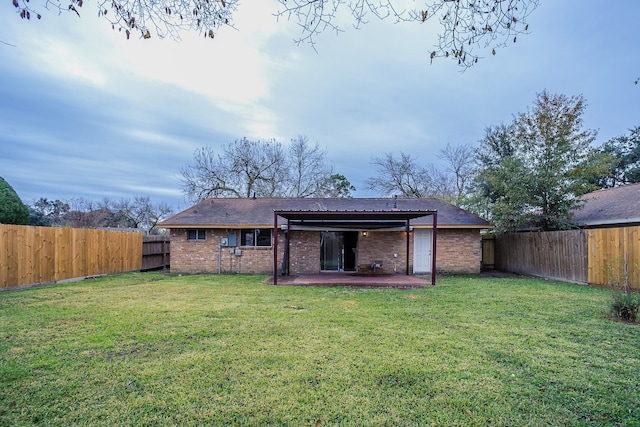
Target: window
[[196, 234], [256, 237]]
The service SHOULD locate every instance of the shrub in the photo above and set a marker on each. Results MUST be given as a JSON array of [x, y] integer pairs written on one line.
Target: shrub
[[12, 210], [625, 305]]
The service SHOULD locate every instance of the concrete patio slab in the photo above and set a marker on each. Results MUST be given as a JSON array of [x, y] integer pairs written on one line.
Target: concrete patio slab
[[352, 279]]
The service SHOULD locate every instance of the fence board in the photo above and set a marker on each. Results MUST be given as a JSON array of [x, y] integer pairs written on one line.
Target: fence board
[[559, 255], [155, 252], [601, 256], [31, 255], [614, 256]]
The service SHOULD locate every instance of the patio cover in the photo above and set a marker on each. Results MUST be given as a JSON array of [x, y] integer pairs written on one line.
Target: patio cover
[[362, 219]]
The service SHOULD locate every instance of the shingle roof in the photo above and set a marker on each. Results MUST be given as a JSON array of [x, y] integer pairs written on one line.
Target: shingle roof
[[232, 212], [620, 205]]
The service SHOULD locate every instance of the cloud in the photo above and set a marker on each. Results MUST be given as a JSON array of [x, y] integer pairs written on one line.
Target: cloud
[[86, 113]]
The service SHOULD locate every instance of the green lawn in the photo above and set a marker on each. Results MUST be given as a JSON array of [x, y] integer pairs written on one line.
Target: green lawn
[[154, 349]]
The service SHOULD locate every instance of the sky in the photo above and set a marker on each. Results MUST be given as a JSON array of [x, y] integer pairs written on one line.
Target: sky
[[87, 114]]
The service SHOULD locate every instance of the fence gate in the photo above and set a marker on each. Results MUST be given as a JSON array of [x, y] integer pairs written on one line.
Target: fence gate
[[488, 252]]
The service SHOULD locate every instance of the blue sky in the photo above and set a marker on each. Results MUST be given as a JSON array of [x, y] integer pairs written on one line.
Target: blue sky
[[84, 113]]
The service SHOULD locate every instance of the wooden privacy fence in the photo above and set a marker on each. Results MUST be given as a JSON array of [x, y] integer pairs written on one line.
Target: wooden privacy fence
[[603, 256], [155, 252], [614, 256], [560, 255], [32, 255]]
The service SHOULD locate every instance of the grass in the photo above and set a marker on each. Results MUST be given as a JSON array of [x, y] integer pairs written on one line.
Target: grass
[[154, 349]]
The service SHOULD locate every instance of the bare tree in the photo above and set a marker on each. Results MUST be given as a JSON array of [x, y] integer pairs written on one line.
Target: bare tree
[[309, 172], [460, 162], [464, 25], [395, 176], [259, 167], [242, 169], [158, 213], [207, 176], [262, 168], [405, 177], [141, 213], [85, 213]]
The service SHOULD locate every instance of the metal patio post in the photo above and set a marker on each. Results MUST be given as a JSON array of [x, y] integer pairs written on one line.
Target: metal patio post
[[275, 247], [433, 249]]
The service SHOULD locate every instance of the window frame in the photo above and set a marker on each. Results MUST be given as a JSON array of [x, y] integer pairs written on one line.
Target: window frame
[[256, 237], [200, 234]]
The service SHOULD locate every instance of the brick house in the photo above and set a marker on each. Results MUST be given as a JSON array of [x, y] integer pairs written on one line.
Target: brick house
[[233, 235]]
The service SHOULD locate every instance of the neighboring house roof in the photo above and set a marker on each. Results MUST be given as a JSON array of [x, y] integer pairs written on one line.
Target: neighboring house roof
[[610, 206], [258, 212]]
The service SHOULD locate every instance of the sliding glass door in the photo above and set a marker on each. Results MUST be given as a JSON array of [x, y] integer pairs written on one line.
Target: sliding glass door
[[338, 250]]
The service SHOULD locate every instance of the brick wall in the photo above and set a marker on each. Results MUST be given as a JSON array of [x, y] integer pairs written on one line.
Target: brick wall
[[193, 256], [390, 247], [201, 256], [304, 252], [458, 251]]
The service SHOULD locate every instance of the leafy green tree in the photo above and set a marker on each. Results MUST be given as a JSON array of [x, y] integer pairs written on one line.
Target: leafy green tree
[[45, 212], [534, 170], [340, 186], [37, 218], [625, 166], [492, 159], [465, 26], [12, 210]]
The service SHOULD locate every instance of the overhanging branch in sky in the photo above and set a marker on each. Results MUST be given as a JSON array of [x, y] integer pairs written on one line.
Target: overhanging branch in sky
[[467, 30]]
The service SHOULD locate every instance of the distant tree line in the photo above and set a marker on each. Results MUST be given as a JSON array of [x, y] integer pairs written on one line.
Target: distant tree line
[[527, 173], [263, 168], [137, 213]]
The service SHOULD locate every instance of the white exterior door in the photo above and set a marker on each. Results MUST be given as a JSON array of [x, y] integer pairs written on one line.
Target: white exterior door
[[422, 250]]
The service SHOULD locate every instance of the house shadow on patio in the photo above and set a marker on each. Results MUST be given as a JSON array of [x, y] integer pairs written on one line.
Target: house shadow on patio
[[401, 281]]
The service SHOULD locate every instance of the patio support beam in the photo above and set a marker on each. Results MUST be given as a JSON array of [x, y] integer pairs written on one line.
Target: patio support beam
[[275, 248], [433, 247], [408, 246], [287, 237]]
